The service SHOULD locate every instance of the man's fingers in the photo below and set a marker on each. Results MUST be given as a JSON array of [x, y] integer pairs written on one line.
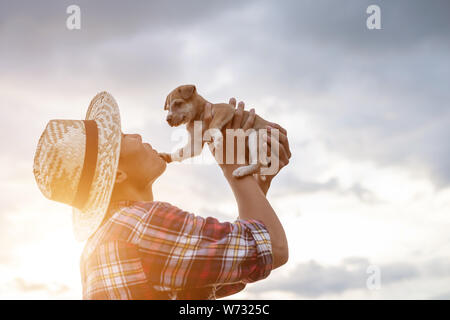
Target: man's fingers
[[284, 159], [250, 120], [238, 114], [282, 137], [273, 147], [276, 125], [283, 154], [278, 151], [232, 102]]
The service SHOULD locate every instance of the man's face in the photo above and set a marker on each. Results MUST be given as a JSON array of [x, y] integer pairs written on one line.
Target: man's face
[[139, 160]]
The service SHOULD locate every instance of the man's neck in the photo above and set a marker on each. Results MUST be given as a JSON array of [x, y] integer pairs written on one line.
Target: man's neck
[[132, 193]]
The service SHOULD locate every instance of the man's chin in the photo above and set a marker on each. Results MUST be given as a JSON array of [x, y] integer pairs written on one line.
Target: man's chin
[[157, 172], [162, 166]]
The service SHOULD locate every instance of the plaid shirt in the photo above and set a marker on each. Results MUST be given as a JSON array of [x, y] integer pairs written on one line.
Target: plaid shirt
[[153, 250]]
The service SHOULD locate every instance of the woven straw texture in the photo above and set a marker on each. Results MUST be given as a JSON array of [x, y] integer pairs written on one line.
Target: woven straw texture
[[59, 160]]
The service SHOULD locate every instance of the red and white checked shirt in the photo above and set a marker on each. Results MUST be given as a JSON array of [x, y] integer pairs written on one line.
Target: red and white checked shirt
[[154, 250]]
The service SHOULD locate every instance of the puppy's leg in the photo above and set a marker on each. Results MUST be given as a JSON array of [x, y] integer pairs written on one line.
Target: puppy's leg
[[167, 157], [263, 168], [214, 139], [218, 141], [192, 149], [222, 115], [264, 159], [179, 155], [253, 157], [184, 153]]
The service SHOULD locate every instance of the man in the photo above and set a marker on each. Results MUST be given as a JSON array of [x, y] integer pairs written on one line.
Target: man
[[139, 248]]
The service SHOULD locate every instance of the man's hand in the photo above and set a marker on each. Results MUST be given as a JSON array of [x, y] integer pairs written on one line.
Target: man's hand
[[250, 197], [284, 153], [234, 124]]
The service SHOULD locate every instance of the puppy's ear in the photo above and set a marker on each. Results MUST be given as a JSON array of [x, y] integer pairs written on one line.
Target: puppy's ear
[[166, 104], [186, 91]]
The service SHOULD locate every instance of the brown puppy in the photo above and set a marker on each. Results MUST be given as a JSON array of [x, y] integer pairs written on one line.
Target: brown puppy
[[185, 105]]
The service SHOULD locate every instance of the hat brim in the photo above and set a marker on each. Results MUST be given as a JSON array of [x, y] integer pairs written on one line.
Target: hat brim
[[105, 111]]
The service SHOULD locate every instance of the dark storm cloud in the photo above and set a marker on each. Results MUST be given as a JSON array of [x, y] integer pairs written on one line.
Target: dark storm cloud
[[103, 20], [342, 23], [134, 43], [34, 31], [389, 86]]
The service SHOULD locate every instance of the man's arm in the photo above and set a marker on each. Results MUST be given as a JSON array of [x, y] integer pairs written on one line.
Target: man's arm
[[253, 204], [251, 200], [284, 152], [186, 251]]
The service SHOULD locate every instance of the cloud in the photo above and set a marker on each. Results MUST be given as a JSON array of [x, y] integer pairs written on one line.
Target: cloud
[[50, 288], [386, 97], [292, 184], [312, 279], [341, 25], [443, 296], [38, 39]]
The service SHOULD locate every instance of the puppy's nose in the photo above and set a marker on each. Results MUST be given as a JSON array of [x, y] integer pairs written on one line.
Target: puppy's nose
[[169, 118]]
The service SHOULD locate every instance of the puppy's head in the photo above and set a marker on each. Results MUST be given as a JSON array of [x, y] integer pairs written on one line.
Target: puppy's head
[[180, 105]]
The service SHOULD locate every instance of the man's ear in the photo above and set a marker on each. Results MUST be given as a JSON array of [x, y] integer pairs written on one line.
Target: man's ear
[[186, 91], [166, 104], [121, 176]]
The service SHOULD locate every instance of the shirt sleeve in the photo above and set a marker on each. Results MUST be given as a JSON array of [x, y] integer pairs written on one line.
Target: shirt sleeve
[[181, 250]]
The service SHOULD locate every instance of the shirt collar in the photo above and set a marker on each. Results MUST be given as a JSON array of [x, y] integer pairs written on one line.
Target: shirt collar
[[116, 205]]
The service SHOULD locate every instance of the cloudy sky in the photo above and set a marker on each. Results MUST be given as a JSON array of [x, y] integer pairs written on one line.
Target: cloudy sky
[[367, 114]]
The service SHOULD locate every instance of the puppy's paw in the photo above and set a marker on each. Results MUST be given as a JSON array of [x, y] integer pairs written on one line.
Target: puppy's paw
[[176, 157], [240, 172], [265, 161], [165, 156], [218, 142]]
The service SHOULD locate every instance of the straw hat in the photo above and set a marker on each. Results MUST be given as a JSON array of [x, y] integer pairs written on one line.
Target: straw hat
[[76, 162]]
